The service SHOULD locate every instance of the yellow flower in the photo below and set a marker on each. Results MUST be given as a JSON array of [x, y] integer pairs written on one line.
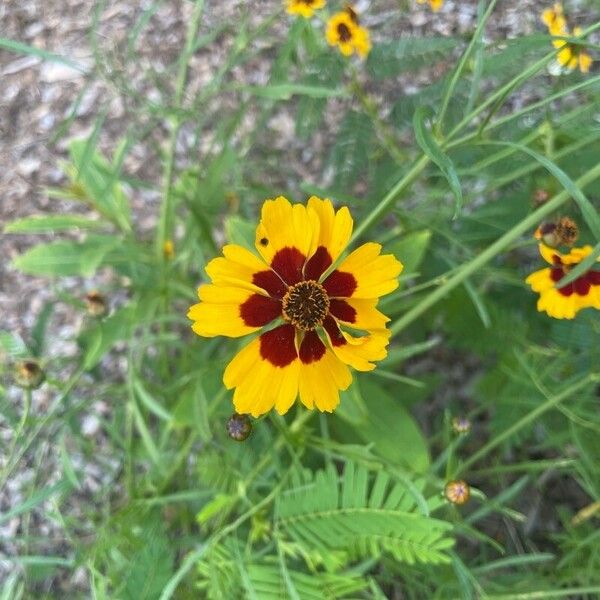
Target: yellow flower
[[345, 32], [304, 8], [301, 308], [434, 4], [566, 302], [555, 20]]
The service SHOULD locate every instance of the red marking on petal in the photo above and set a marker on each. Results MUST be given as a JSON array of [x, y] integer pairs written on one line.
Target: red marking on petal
[[317, 264], [333, 330], [312, 348], [556, 274], [342, 310], [340, 284], [270, 282], [582, 286], [288, 263], [277, 346], [567, 290], [259, 310], [556, 259], [593, 277]]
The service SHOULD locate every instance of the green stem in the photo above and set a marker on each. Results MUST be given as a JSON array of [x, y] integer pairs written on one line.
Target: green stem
[[527, 419], [390, 197], [491, 251], [166, 209]]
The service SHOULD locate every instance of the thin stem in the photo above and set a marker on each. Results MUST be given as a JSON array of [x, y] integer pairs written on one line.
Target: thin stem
[[527, 419], [491, 251]]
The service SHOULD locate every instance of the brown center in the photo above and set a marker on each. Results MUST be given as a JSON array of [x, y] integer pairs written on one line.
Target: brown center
[[344, 32], [306, 305]]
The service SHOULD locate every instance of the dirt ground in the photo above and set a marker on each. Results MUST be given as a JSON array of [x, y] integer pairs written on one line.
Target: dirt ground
[[44, 105]]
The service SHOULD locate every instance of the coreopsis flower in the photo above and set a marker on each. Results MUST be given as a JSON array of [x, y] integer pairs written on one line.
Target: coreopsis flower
[[554, 19], [569, 55], [457, 492], [314, 321], [565, 302], [434, 4], [304, 8], [572, 55], [345, 32]]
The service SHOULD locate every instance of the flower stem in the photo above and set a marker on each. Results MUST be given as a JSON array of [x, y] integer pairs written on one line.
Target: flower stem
[[491, 251]]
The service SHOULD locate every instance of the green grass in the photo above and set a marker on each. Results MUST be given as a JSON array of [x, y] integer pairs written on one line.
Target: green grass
[[319, 506]]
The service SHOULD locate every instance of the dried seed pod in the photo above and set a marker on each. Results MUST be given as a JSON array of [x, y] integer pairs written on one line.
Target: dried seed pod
[[540, 196], [239, 427], [28, 374], [95, 303], [566, 231], [457, 492]]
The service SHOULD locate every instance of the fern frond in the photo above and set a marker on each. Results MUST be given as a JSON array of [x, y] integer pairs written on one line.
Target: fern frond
[[360, 518]]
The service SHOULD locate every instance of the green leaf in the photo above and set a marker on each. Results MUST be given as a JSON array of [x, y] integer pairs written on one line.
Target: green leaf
[[361, 515], [410, 250], [20, 48], [284, 91], [13, 345], [407, 54], [240, 231], [35, 499], [51, 223], [149, 402], [66, 258], [432, 149]]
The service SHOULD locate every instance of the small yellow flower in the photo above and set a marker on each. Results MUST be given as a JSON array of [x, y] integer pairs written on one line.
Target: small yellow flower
[[304, 8], [345, 32], [169, 249], [306, 316], [566, 302], [434, 4]]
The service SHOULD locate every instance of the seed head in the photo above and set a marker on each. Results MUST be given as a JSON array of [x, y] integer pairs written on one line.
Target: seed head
[[95, 303], [457, 492], [239, 427], [28, 374]]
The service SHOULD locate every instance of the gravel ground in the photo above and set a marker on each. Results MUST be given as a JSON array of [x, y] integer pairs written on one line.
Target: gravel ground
[[37, 98]]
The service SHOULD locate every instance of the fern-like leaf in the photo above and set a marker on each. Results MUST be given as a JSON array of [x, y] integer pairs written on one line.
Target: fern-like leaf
[[361, 518]]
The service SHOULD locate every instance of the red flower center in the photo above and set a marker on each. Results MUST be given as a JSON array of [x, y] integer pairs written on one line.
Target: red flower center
[[344, 32]]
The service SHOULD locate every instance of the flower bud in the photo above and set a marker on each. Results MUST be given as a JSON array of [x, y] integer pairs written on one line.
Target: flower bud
[[461, 425], [28, 374], [457, 492], [169, 250], [95, 303], [540, 196], [239, 427]]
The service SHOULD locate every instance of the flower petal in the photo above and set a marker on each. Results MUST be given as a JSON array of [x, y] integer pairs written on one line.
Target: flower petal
[[220, 311], [322, 375], [361, 313], [374, 275], [236, 268], [264, 377], [540, 280], [283, 225]]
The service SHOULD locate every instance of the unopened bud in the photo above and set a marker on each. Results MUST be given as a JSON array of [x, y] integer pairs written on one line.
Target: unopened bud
[[95, 303], [540, 196], [461, 425], [457, 492], [239, 427], [28, 374], [169, 250]]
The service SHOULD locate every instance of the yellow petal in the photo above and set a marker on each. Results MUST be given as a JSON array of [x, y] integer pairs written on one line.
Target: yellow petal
[[284, 225], [540, 280], [436, 4], [219, 312], [358, 352], [576, 255], [259, 385], [585, 62], [321, 381], [375, 275], [565, 56], [366, 315], [236, 268], [548, 254], [556, 305], [335, 227]]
